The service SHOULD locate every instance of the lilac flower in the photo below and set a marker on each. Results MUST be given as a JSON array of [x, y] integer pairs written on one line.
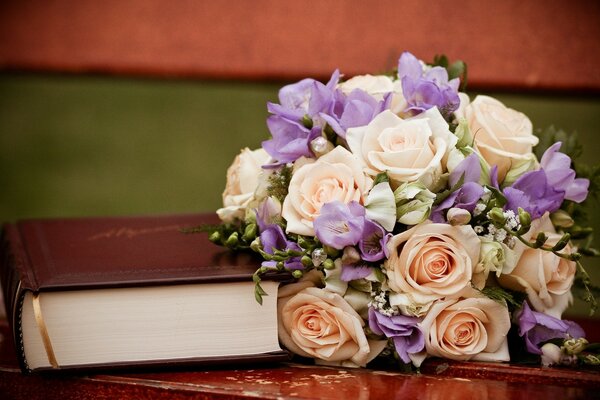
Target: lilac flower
[[372, 245], [534, 194], [467, 196], [273, 238], [339, 224], [537, 328], [355, 109], [561, 176], [354, 272], [291, 140], [403, 330], [307, 97], [425, 90]]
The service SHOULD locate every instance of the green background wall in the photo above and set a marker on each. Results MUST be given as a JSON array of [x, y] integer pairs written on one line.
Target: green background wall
[[82, 145]]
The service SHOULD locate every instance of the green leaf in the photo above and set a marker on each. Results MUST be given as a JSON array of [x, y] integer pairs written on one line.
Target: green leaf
[[498, 198], [500, 295]]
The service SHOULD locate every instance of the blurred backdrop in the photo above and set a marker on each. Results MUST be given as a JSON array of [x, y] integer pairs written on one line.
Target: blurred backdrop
[[138, 108]]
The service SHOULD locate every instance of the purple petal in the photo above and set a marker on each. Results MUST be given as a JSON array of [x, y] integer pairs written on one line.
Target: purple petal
[[372, 245], [409, 65], [470, 168], [340, 225], [352, 273]]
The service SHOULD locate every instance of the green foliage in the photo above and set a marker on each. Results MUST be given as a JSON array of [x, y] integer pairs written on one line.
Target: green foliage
[[549, 136], [279, 181], [503, 296]]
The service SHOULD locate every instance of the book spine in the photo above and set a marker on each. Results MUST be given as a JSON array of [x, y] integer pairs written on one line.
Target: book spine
[[14, 279]]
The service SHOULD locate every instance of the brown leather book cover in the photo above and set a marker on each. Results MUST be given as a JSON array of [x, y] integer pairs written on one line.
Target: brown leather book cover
[[110, 252]]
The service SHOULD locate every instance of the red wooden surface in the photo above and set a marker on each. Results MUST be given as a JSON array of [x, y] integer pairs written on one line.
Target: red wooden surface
[[511, 44], [440, 380]]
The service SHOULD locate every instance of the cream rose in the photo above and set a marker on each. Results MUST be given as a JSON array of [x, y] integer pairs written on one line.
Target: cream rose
[[408, 150], [242, 180], [377, 86], [502, 135], [467, 329], [319, 324], [431, 261], [545, 277], [335, 176]]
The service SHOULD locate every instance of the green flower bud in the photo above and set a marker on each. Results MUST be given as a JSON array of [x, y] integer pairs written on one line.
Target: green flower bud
[[232, 240], [306, 261], [297, 274], [564, 240], [561, 219], [215, 237], [575, 346], [524, 220], [413, 203], [330, 251], [591, 359], [250, 232], [540, 239], [328, 264], [255, 245], [307, 121], [496, 215]]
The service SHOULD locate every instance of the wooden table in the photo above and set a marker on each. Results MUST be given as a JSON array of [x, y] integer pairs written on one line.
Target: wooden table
[[439, 380]]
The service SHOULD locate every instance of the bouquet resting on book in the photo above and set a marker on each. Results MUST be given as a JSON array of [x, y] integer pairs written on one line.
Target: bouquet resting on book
[[416, 221]]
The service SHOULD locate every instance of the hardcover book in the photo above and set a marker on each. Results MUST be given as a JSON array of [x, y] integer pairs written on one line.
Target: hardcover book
[[97, 293]]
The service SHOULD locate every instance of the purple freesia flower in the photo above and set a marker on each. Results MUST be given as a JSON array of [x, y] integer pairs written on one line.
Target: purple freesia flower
[[425, 90], [534, 194], [467, 196], [291, 140], [537, 328], [355, 109], [273, 238], [340, 225], [561, 176], [372, 245], [307, 97], [544, 190], [403, 330]]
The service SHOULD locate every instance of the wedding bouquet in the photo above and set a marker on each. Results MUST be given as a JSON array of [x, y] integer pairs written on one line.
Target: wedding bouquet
[[416, 222]]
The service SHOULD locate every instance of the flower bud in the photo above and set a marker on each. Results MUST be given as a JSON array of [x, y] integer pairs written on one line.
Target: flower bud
[[297, 274], [575, 346], [350, 256], [561, 219], [232, 240], [495, 257], [255, 245], [519, 167], [524, 220], [496, 215], [540, 239], [250, 232], [413, 203], [564, 240], [328, 264], [591, 359], [306, 261], [551, 354], [215, 237], [458, 216], [307, 121]]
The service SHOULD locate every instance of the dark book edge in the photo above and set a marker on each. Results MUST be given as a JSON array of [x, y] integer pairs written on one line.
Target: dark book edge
[[13, 276], [148, 365]]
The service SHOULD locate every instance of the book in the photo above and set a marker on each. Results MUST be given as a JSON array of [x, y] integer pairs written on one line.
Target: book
[[100, 293]]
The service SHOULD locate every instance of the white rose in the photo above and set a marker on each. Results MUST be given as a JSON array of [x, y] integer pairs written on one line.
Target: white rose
[[377, 86], [494, 257], [319, 324], [408, 150], [242, 181], [502, 135], [545, 277], [431, 261], [335, 176], [469, 329]]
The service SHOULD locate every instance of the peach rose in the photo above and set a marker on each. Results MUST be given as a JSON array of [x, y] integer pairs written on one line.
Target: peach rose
[[472, 328], [431, 261], [242, 180], [545, 277], [408, 150], [319, 324], [335, 176], [502, 135]]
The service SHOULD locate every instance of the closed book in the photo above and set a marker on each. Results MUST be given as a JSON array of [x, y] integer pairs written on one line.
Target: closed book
[[98, 293]]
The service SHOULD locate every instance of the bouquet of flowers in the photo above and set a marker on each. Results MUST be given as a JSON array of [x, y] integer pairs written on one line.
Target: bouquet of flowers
[[415, 221]]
